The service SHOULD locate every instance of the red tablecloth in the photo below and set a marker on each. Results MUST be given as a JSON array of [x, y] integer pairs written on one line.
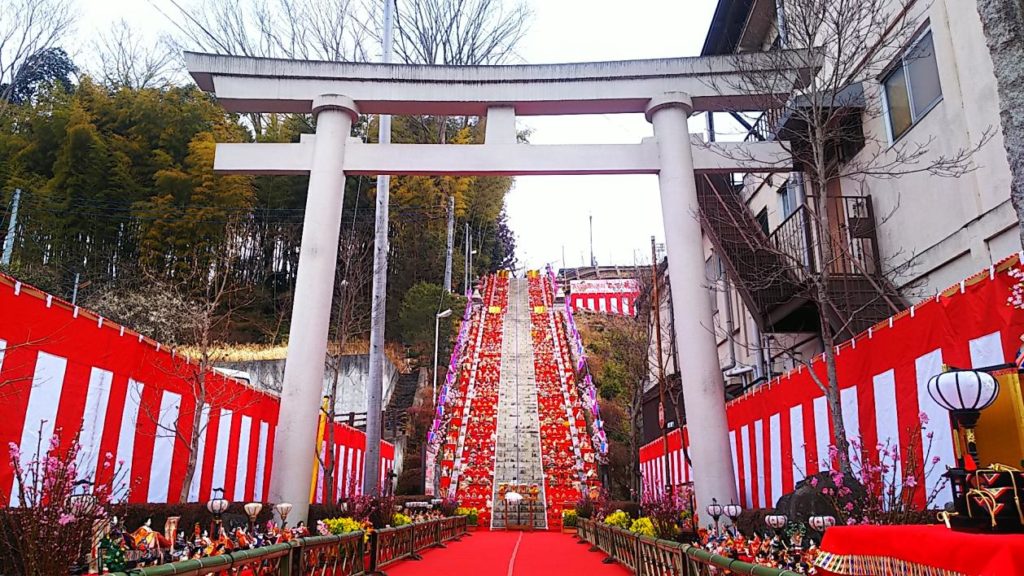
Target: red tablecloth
[[919, 551]]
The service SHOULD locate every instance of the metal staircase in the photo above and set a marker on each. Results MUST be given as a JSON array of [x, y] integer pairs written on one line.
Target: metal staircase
[[770, 270]]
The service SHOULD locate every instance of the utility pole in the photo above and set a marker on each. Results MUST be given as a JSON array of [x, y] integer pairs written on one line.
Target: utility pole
[[375, 392], [12, 226], [451, 245], [656, 305], [465, 260], [593, 262]]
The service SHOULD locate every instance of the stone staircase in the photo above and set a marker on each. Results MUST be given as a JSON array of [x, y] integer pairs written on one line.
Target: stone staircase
[[517, 450]]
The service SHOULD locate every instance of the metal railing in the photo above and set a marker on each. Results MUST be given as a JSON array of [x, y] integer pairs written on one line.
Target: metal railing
[[335, 555], [646, 556], [852, 237]]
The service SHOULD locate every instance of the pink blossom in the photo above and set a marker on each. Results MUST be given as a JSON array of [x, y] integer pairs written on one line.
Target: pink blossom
[[924, 418], [66, 519], [848, 507], [930, 435], [814, 482], [108, 456], [14, 450], [935, 459], [911, 481]]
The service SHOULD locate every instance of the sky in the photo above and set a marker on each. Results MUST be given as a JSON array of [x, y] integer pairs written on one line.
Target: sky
[[550, 215]]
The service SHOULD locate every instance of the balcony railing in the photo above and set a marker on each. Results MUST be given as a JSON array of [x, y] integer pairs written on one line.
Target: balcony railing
[[851, 236]]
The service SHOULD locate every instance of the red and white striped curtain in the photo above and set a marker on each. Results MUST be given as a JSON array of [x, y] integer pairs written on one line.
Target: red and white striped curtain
[[132, 403], [616, 297], [350, 458], [781, 432]]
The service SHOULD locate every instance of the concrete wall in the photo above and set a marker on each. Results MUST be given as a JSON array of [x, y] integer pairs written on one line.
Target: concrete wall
[[353, 375]]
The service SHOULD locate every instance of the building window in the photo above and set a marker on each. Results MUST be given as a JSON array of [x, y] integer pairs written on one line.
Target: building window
[[787, 198], [762, 220], [912, 87]]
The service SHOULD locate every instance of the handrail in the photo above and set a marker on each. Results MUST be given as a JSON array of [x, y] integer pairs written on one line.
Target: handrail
[[334, 554], [646, 556]]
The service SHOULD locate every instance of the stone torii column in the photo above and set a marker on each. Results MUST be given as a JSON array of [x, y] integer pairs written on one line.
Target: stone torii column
[[702, 381], [311, 310]]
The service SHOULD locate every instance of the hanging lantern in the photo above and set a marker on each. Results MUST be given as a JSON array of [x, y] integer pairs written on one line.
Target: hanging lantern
[[733, 511], [965, 393], [821, 523], [776, 521]]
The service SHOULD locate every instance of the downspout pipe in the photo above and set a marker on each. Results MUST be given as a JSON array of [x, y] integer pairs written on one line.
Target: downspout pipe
[[729, 328]]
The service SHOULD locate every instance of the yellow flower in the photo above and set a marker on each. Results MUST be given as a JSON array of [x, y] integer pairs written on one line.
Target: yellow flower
[[643, 527]]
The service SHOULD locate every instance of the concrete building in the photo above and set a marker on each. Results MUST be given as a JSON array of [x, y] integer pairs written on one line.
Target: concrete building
[[913, 236]]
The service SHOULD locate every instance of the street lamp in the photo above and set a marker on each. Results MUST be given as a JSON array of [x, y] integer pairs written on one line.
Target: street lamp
[[437, 331]]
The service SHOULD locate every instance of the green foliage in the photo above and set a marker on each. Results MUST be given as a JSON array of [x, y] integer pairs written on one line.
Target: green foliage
[[116, 179], [417, 314]]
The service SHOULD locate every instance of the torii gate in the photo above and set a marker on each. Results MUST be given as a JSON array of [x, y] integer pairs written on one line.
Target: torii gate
[[667, 91]]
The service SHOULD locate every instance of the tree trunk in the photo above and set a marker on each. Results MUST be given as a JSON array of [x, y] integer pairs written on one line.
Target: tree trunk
[[823, 230], [193, 441], [1003, 25], [835, 406]]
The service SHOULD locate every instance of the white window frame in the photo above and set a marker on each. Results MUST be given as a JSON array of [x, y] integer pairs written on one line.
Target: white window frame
[[901, 63]]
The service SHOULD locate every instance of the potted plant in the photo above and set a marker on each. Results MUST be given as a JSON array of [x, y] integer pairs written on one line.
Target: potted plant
[[471, 514], [569, 521]]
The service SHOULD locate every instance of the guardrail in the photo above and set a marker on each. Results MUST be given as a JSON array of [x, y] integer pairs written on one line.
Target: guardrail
[[646, 556], [334, 555]]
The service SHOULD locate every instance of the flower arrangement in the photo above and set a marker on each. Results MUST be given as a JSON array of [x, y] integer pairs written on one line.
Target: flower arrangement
[[400, 519], [48, 525], [618, 519], [448, 506], [340, 526], [887, 485], [643, 527], [569, 518], [471, 514], [671, 514]]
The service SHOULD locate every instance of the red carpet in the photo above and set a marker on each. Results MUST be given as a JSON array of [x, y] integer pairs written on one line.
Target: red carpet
[[510, 554]]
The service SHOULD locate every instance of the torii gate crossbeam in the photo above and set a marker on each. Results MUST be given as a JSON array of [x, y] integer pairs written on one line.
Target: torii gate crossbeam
[[667, 91]]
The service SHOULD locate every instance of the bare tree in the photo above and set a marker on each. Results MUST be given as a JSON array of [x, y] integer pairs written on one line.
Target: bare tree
[[1003, 23], [28, 28], [194, 311], [842, 47], [126, 61], [457, 32], [351, 320], [296, 29]]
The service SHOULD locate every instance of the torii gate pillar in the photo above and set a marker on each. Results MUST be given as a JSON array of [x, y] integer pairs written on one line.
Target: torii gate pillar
[[703, 384], [311, 314]]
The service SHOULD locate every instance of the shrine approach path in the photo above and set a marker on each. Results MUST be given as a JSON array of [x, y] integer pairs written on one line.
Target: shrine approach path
[[510, 554]]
